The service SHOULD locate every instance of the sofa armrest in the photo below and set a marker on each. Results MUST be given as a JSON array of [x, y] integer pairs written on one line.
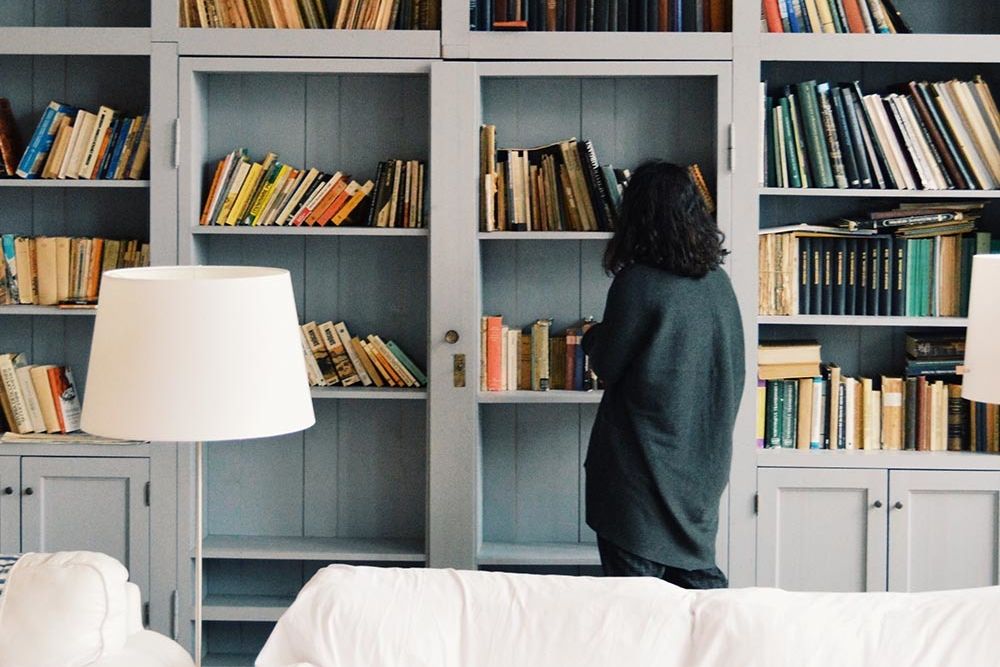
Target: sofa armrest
[[133, 611], [147, 649]]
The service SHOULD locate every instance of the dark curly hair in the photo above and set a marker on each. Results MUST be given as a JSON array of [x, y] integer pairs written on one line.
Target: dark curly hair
[[664, 223]]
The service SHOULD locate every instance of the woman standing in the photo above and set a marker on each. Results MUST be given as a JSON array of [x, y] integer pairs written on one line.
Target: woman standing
[[670, 354]]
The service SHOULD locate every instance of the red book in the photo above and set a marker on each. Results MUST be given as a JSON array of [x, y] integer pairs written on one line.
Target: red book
[[572, 340], [664, 16], [773, 16], [853, 14], [494, 353]]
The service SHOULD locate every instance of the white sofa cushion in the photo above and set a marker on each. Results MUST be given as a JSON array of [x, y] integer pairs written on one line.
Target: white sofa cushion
[[366, 617], [66, 609], [147, 649], [758, 627]]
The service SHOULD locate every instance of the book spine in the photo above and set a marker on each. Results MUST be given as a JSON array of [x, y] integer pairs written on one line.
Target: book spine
[[789, 409], [791, 154], [830, 131], [761, 413], [841, 416], [839, 261], [774, 397], [540, 355], [899, 273], [816, 427], [819, 157], [857, 140], [844, 135]]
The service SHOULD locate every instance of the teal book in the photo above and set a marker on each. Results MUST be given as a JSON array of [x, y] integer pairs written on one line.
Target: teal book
[[789, 413], [819, 156], [406, 361], [13, 293], [791, 153], [774, 397]]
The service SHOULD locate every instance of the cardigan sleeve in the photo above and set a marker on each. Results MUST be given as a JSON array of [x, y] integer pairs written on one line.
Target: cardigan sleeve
[[614, 342]]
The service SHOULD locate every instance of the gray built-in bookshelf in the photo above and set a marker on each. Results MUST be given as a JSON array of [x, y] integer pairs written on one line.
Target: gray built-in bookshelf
[[449, 476]]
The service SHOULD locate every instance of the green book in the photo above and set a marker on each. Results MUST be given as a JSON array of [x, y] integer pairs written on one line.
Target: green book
[[773, 397], [791, 154], [406, 361], [995, 247], [910, 295], [789, 412], [819, 156], [984, 241]]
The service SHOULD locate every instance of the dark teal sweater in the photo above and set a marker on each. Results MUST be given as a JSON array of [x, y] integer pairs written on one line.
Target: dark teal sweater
[[670, 353]]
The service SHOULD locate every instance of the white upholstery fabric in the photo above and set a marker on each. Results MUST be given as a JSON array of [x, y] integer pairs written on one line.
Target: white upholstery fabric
[[133, 609], [147, 649], [67, 609], [373, 617]]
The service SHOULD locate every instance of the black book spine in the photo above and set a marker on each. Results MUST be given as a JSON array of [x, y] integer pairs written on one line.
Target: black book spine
[[816, 292], [805, 274], [910, 413], [370, 218], [874, 275], [888, 264], [601, 15], [880, 150], [623, 15], [595, 185], [899, 277], [827, 404], [829, 277], [839, 277], [851, 277], [652, 15], [861, 284], [949, 140], [857, 141], [612, 15], [925, 132], [844, 136], [895, 17], [473, 15]]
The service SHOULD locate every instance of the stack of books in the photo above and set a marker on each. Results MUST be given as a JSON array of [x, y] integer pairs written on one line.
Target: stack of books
[[920, 410], [62, 270], [270, 192], [77, 144], [602, 15], [533, 359], [37, 399], [920, 136], [347, 14], [833, 16], [335, 358], [914, 261]]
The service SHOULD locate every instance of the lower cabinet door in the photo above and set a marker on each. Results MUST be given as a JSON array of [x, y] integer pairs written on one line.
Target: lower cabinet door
[[821, 529], [10, 505], [88, 504], [944, 529]]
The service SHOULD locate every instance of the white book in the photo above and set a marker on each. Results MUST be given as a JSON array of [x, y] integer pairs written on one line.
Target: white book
[[816, 428], [340, 328], [504, 358], [291, 205], [913, 147], [74, 138], [909, 178], [31, 403], [886, 140], [961, 133], [937, 173], [87, 126], [977, 126], [850, 413], [876, 420], [93, 153], [513, 352], [220, 186]]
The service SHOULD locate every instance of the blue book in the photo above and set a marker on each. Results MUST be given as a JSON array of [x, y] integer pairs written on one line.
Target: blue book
[[13, 293], [119, 147], [793, 19], [41, 141], [133, 145], [116, 124]]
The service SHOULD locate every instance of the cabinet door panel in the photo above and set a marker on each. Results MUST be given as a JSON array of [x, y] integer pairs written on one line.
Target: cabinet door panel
[[946, 532], [819, 529], [10, 505], [90, 504]]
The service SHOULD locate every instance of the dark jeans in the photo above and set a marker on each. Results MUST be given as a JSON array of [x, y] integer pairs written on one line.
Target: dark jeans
[[620, 563]]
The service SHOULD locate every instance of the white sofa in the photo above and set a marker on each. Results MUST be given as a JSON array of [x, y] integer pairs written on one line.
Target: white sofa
[[372, 617], [77, 609]]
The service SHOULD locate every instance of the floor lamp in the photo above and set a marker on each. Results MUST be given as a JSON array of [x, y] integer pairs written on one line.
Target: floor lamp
[[981, 375], [196, 354]]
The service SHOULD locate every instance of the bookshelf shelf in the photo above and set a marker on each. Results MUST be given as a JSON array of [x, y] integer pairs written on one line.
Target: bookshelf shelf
[[876, 194], [594, 46], [313, 43], [880, 48], [274, 230], [543, 553], [553, 396], [546, 236], [253, 547], [73, 184], [790, 458], [46, 310], [862, 321], [252, 608], [383, 393], [76, 41]]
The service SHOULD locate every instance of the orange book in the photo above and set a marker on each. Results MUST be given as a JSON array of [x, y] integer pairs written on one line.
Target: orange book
[[494, 353], [853, 15], [345, 193], [383, 365], [211, 193], [352, 203], [773, 16], [94, 278], [323, 204], [100, 153]]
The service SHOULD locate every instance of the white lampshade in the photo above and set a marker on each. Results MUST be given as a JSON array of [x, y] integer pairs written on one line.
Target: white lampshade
[[981, 381], [200, 353]]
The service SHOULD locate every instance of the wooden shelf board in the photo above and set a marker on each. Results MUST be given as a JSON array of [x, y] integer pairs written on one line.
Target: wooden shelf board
[[820, 458], [552, 396], [275, 230], [880, 48], [886, 194], [542, 553], [251, 608], [45, 310], [595, 46], [311, 43], [551, 236], [228, 660], [76, 41], [70, 183], [249, 547], [381, 393], [862, 321]]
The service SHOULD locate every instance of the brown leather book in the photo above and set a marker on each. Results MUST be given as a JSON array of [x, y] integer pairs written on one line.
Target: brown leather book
[[10, 139], [663, 17], [936, 137]]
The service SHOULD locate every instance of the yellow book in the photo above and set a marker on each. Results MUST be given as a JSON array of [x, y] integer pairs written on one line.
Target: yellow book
[[264, 193], [352, 203], [825, 16], [47, 270], [270, 193], [40, 379], [761, 411], [234, 190], [246, 190], [62, 267]]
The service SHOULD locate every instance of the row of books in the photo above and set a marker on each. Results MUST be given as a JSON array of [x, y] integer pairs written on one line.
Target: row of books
[[918, 270], [37, 399], [533, 358], [62, 270], [72, 143], [298, 14], [335, 358], [270, 192], [557, 187], [919, 136], [833, 16], [601, 15]]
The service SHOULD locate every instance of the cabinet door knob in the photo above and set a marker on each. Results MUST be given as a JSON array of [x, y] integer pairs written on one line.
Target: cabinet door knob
[[29, 491], [898, 505], [877, 504], [451, 336], [8, 490]]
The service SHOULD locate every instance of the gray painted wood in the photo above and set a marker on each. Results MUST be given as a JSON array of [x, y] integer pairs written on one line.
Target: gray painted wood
[[819, 530], [10, 505], [946, 532], [88, 504], [75, 13]]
